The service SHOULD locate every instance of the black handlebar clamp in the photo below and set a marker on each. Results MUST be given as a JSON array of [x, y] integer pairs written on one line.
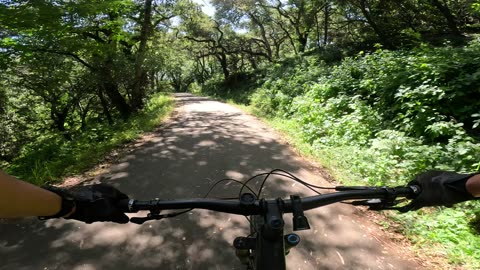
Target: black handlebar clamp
[[300, 221]]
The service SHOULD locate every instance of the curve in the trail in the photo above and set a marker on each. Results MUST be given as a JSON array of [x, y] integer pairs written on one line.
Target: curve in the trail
[[203, 142]]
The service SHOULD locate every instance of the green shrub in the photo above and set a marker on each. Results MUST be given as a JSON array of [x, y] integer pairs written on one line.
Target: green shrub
[[51, 157], [337, 121]]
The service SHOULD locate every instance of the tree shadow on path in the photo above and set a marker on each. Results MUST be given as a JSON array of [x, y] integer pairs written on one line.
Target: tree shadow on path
[[204, 142]]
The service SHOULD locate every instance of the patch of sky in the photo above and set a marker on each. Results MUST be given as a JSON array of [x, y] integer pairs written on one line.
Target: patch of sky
[[207, 8]]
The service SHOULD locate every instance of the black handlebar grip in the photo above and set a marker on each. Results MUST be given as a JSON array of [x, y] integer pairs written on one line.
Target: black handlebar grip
[[123, 205], [416, 190]]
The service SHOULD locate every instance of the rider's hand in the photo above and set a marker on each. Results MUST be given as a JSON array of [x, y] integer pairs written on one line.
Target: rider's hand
[[93, 203], [439, 188]]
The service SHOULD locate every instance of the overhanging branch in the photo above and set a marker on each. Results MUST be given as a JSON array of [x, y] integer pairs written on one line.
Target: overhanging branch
[[76, 57]]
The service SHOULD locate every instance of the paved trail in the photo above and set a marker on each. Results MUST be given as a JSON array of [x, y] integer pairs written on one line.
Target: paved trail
[[204, 141]]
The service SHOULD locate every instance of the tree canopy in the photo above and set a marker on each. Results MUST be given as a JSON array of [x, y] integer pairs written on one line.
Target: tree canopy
[[68, 66]]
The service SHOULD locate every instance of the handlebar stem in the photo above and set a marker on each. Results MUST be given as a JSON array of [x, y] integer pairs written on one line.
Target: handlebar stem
[[270, 247]]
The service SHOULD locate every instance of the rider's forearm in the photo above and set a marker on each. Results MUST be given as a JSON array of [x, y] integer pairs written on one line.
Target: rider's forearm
[[21, 199], [473, 185]]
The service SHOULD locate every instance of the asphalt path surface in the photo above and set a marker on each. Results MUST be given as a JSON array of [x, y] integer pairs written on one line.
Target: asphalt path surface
[[203, 142]]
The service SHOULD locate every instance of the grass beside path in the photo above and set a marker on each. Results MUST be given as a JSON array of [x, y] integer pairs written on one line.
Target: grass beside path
[[51, 158], [444, 235]]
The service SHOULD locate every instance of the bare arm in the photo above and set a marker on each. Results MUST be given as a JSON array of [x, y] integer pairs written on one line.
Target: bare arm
[[21, 199], [473, 185]]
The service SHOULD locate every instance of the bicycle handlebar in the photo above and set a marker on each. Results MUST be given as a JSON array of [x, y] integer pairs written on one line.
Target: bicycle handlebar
[[269, 241], [255, 207]]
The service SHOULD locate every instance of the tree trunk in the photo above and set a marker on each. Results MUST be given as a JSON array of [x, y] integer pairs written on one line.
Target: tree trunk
[[104, 103], [152, 80], [302, 40], [289, 38], [277, 44], [59, 118], [84, 112], [110, 86], [451, 20], [3, 102], [263, 34], [222, 58], [380, 33], [111, 89], [138, 91], [325, 25]]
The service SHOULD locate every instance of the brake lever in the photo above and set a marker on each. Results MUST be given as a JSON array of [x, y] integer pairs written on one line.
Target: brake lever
[[364, 202], [155, 215], [346, 188], [141, 220], [379, 204]]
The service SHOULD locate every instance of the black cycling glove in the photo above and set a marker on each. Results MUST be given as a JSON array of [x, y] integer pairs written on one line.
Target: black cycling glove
[[92, 203], [439, 188]]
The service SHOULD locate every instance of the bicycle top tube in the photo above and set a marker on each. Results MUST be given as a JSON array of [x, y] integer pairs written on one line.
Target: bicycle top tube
[[256, 207]]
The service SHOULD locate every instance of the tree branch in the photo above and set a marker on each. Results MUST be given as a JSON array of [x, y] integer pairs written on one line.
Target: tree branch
[[94, 37], [163, 18], [199, 40], [76, 57]]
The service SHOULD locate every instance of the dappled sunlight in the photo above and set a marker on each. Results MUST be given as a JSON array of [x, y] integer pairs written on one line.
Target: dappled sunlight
[[119, 166], [209, 106], [235, 174], [118, 175], [86, 266], [202, 163], [222, 225], [206, 141], [199, 251]]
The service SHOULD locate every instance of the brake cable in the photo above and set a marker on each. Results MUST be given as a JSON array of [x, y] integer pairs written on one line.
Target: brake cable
[[155, 214], [285, 174]]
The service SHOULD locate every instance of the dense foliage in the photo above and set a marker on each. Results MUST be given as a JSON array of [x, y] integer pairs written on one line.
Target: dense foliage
[[71, 70], [416, 107], [68, 66]]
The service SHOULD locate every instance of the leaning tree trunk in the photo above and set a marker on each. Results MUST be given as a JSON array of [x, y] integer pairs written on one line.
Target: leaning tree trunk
[[111, 89], [385, 39], [451, 20]]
